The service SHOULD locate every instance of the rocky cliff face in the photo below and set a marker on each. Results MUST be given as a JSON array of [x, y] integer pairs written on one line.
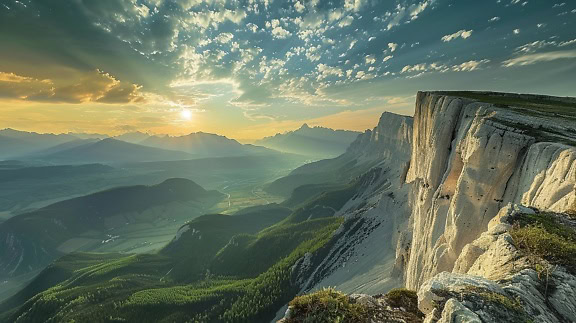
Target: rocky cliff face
[[363, 254], [477, 159], [472, 158]]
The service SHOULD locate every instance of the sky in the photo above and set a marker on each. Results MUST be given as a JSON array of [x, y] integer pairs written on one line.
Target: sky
[[252, 68]]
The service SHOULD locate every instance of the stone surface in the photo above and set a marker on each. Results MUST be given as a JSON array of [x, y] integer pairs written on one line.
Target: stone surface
[[470, 159]]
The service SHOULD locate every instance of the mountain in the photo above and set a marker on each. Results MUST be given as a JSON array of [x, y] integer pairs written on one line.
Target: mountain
[[133, 137], [316, 141], [36, 238], [14, 143], [389, 140], [58, 148], [81, 135], [469, 207], [204, 144], [198, 242], [113, 151], [43, 173]]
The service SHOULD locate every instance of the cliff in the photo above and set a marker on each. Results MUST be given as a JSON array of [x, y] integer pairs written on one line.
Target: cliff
[[481, 220], [471, 158]]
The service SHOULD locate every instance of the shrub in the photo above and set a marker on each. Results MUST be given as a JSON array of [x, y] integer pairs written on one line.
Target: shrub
[[404, 298], [327, 306], [546, 242]]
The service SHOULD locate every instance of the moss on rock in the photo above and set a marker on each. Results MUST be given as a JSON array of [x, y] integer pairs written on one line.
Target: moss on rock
[[547, 236]]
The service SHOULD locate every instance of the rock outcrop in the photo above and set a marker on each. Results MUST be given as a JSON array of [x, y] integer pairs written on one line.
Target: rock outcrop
[[497, 282]]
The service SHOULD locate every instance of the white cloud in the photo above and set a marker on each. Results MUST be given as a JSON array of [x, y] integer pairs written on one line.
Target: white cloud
[[387, 58], [539, 44], [299, 7], [370, 59], [354, 5], [326, 71], [281, 33], [392, 46], [421, 68], [224, 38], [207, 19], [347, 21], [312, 53], [469, 66], [533, 46], [516, 31], [494, 19], [461, 33], [252, 27], [567, 43], [352, 43], [407, 14], [530, 59], [334, 15]]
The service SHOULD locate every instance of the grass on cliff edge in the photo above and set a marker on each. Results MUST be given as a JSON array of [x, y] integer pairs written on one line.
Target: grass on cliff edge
[[329, 305], [539, 103], [543, 235]]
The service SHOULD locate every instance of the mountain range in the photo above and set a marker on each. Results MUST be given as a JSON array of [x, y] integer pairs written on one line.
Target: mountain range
[[130, 147], [15, 143], [109, 151], [311, 141], [204, 144]]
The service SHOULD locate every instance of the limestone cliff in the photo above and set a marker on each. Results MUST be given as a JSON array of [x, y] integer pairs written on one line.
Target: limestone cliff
[[476, 160], [471, 158]]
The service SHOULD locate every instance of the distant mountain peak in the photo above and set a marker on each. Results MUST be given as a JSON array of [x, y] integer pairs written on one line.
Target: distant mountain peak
[[311, 141]]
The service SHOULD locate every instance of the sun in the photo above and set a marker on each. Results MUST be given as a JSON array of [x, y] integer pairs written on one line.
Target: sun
[[186, 114]]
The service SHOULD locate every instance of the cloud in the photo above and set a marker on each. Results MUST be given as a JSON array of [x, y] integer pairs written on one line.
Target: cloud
[[530, 59], [407, 14], [392, 46], [422, 68], [95, 86], [347, 21], [280, 32], [354, 5], [14, 86], [209, 18], [224, 38], [299, 7], [540, 44], [469, 65], [494, 19], [326, 71], [461, 33]]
